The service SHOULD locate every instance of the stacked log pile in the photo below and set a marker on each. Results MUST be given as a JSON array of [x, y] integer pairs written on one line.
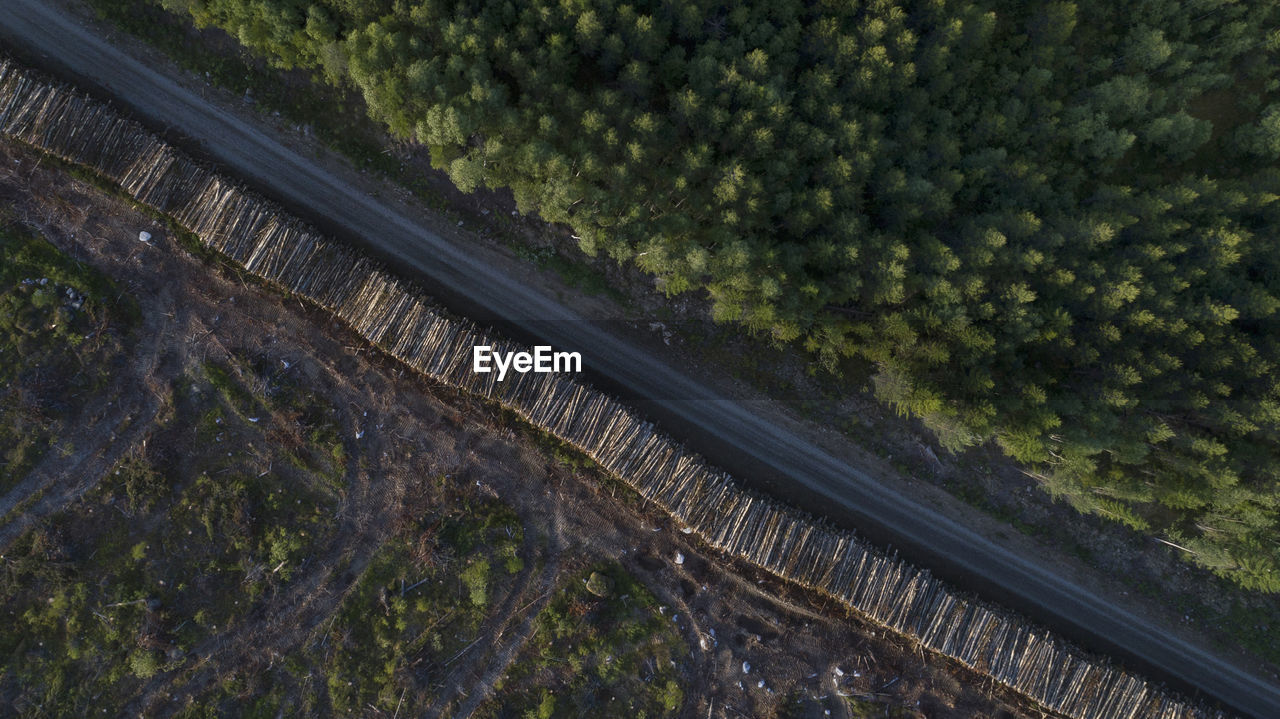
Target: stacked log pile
[[395, 316]]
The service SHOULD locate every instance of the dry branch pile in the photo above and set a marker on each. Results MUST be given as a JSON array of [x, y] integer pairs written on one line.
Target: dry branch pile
[[395, 316]]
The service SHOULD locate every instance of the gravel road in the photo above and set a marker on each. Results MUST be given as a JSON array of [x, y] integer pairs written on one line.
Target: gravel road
[[746, 436]]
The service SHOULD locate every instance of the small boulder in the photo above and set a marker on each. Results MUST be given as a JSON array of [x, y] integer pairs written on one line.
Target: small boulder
[[144, 236], [599, 585]]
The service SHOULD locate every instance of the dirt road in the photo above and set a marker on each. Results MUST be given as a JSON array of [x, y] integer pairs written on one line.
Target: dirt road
[[747, 436]]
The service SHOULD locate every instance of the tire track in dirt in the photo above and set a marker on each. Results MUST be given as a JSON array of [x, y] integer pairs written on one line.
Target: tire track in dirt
[[263, 637], [496, 625], [838, 709], [126, 415], [503, 656], [686, 621]]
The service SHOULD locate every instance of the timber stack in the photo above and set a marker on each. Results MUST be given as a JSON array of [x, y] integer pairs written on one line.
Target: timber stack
[[397, 317]]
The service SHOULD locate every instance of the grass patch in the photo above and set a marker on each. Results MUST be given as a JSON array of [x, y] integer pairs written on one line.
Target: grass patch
[[578, 275], [798, 706], [121, 587], [251, 391], [316, 420], [593, 655], [225, 382], [61, 324], [418, 607], [177, 544]]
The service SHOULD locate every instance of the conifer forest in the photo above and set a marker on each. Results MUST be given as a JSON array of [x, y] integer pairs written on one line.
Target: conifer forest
[[1048, 226]]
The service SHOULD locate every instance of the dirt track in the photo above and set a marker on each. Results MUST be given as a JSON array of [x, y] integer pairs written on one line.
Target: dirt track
[[764, 441]]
